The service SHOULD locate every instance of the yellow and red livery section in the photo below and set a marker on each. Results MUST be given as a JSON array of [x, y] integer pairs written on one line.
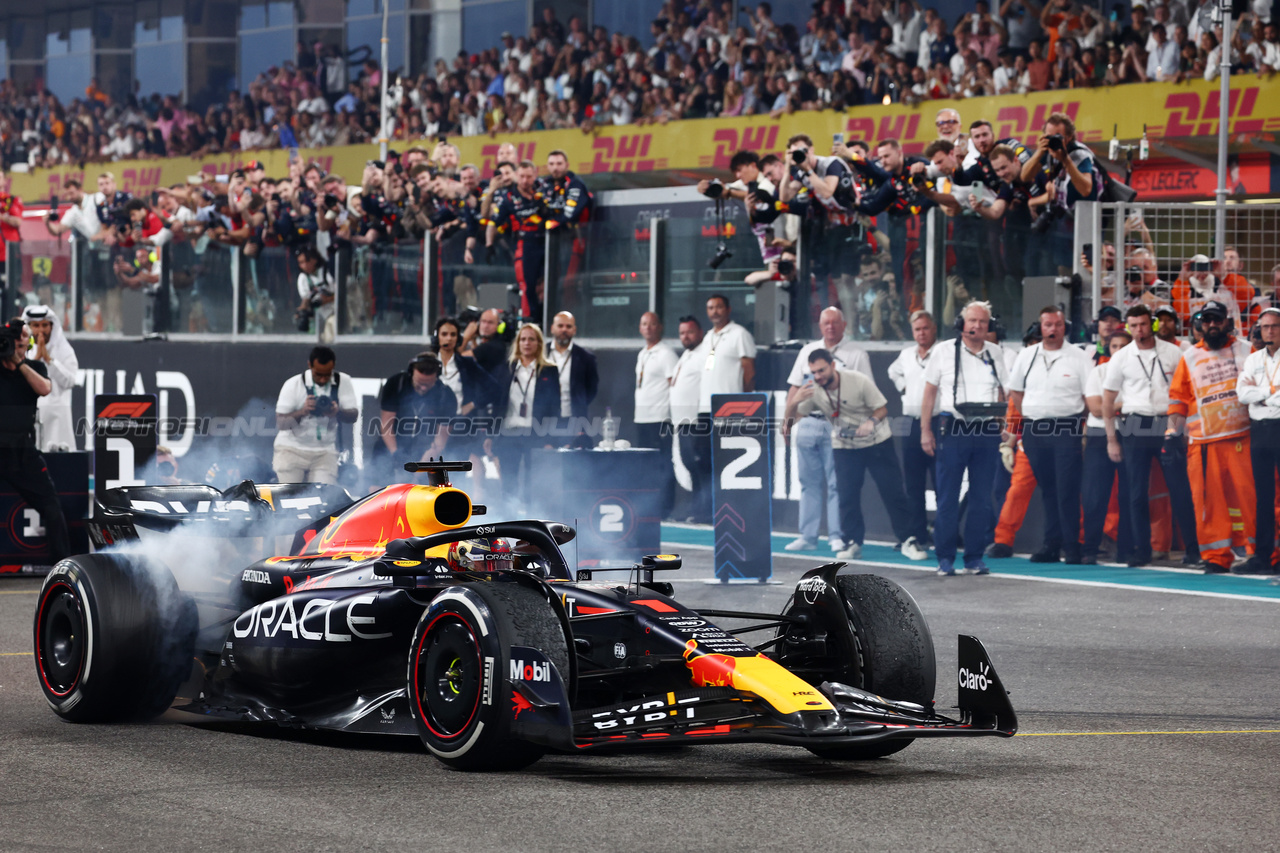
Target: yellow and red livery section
[[396, 512], [757, 674]]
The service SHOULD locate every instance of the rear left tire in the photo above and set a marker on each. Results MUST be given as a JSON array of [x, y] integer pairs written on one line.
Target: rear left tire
[[114, 638]]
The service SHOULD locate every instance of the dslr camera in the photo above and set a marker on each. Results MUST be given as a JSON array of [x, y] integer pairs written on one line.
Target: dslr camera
[[326, 406], [1056, 142], [1045, 220], [10, 334], [715, 189], [722, 254]]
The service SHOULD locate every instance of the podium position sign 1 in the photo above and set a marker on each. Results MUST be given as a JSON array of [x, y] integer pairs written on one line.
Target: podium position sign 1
[[741, 488]]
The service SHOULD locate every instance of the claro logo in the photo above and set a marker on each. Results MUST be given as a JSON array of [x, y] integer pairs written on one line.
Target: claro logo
[[975, 680]]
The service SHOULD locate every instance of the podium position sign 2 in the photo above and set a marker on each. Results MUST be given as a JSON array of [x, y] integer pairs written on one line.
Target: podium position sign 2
[[741, 491]]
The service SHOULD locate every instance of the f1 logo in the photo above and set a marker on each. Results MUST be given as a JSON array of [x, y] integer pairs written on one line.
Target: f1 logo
[[124, 410], [741, 408]]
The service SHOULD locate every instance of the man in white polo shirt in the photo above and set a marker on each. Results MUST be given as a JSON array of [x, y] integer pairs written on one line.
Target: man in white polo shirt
[[907, 374], [729, 368], [812, 435], [1259, 388], [1140, 374], [655, 365], [1047, 385], [964, 383], [694, 442]]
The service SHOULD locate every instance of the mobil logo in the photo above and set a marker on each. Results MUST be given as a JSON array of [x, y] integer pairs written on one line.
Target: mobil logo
[[729, 141], [709, 670], [531, 671]]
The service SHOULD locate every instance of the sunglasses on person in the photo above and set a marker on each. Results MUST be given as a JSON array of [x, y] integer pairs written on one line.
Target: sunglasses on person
[[943, 122]]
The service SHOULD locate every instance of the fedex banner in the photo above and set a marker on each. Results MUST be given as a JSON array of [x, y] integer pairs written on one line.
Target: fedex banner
[[1166, 110]]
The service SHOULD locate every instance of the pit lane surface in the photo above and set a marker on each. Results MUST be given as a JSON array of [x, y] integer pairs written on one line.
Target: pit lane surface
[[1149, 721]]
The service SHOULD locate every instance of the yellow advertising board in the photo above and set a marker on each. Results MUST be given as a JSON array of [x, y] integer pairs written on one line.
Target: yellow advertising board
[[1165, 110]]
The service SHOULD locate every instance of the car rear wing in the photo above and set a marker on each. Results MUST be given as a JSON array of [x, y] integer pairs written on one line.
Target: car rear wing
[[241, 510]]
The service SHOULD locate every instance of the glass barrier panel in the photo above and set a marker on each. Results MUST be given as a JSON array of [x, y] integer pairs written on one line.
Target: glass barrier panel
[[600, 272], [269, 293], [488, 281], [44, 276], [384, 289], [978, 259], [691, 245], [874, 275], [201, 281]]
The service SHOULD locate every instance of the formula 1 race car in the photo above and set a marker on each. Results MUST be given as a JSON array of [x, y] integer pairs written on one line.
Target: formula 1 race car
[[398, 614]]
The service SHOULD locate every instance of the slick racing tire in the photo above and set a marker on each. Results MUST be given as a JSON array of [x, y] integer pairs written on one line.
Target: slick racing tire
[[114, 638], [458, 695], [897, 660]]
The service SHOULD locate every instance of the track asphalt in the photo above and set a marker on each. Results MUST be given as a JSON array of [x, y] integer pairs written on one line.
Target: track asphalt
[[1149, 704]]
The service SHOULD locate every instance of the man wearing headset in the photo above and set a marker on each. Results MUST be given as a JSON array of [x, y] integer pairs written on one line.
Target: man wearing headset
[[1140, 373], [1203, 395], [965, 383], [1257, 388], [1047, 386]]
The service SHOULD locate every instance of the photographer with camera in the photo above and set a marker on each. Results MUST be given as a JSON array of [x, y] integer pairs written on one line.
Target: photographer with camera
[[23, 383], [855, 412], [309, 409], [1069, 166], [109, 203], [315, 289], [833, 190], [81, 216]]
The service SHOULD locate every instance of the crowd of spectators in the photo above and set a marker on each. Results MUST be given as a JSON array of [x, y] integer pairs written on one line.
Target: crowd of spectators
[[700, 64]]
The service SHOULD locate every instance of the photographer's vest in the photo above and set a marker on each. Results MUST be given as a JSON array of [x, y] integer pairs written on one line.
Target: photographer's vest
[[1207, 378]]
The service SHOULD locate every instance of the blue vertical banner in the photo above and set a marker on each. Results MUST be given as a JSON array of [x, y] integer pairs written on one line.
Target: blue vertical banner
[[741, 487]]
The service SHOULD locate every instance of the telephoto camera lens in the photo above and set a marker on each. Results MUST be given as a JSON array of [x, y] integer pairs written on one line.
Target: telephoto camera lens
[[722, 254]]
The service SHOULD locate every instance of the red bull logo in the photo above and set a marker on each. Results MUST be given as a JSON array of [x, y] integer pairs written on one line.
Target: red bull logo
[[709, 670], [518, 704]]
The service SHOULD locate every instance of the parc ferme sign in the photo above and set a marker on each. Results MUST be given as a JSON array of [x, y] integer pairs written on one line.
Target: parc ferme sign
[[741, 491], [1166, 110]]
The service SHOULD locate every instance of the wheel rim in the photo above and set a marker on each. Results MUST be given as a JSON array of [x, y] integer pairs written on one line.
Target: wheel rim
[[60, 640], [447, 676]]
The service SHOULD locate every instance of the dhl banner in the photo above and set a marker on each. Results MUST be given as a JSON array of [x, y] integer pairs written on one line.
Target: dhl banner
[[1166, 110]]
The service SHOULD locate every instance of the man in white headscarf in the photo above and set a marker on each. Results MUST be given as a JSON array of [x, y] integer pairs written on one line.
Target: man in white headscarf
[[50, 345]]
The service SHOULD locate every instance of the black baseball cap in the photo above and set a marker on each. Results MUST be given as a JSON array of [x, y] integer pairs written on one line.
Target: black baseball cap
[[1213, 308], [1110, 311]]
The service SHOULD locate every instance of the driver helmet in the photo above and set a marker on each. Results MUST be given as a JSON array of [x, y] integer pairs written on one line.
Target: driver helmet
[[481, 555]]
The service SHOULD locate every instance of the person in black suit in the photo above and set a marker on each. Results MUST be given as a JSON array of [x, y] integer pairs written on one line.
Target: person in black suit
[[528, 397], [579, 379]]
